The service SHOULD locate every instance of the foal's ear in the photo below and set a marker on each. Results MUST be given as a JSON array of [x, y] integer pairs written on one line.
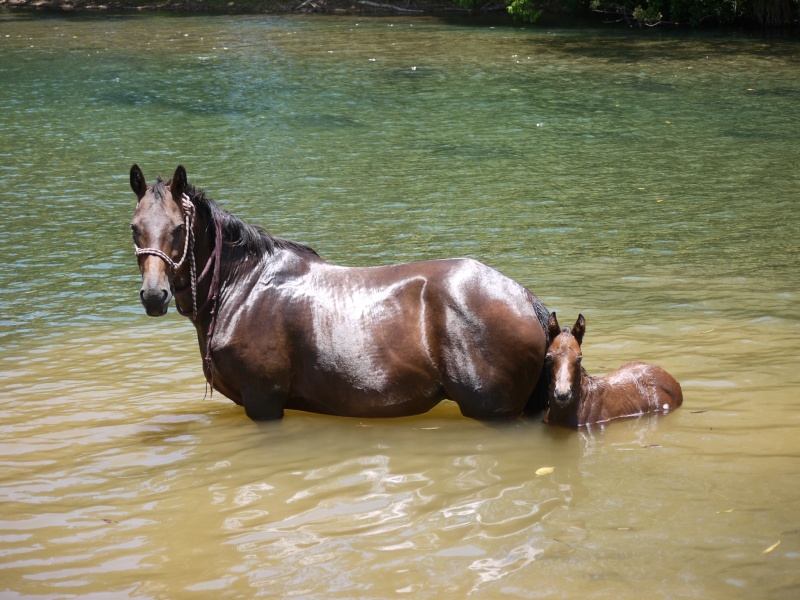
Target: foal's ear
[[178, 184], [138, 184], [579, 329], [553, 328]]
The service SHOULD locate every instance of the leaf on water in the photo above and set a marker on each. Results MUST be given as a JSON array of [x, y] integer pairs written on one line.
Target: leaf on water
[[697, 412], [544, 471], [727, 510], [771, 548], [429, 428], [112, 521]]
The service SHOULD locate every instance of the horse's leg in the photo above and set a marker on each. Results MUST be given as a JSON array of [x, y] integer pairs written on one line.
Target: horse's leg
[[263, 404]]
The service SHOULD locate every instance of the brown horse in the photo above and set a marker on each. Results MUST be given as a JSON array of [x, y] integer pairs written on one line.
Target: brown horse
[[281, 328], [577, 399]]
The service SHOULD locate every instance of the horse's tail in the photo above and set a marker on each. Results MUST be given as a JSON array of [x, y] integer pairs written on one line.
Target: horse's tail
[[538, 400]]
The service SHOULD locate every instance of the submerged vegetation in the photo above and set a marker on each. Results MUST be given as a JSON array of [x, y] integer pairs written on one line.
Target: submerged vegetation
[[763, 13]]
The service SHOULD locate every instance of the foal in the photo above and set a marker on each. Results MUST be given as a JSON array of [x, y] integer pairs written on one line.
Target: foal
[[577, 399]]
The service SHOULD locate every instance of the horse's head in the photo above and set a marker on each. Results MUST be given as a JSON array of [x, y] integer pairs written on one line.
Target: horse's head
[[563, 360], [160, 233]]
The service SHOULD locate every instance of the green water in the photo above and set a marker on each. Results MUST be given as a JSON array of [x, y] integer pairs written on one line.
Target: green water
[[647, 180]]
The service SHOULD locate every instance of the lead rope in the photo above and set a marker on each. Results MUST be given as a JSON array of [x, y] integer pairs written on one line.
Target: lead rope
[[213, 297], [189, 208]]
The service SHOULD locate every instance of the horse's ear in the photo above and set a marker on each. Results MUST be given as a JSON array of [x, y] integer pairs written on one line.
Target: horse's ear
[[579, 329], [178, 183], [553, 328], [138, 184]]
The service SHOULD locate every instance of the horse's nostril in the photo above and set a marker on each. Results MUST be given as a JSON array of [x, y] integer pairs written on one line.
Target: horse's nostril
[[149, 297]]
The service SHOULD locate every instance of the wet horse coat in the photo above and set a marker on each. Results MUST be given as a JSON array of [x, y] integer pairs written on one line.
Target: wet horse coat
[[577, 399], [281, 328]]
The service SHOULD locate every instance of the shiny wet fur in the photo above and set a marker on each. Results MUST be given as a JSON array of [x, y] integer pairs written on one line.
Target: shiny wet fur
[[293, 331], [577, 399]]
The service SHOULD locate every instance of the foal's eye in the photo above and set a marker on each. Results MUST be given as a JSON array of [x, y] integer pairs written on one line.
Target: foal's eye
[[548, 359]]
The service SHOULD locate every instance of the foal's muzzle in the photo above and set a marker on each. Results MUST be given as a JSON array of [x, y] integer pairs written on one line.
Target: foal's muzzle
[[563, 398]]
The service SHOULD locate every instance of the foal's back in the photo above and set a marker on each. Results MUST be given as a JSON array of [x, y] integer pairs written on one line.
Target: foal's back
[[634, 389]]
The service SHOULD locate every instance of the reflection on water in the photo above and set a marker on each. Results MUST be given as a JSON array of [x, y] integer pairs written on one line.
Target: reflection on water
[[118, 474], [646, 182]]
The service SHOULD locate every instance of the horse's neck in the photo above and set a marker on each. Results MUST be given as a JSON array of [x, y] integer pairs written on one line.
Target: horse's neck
[[196, 289], [593, 396], [584, 392]]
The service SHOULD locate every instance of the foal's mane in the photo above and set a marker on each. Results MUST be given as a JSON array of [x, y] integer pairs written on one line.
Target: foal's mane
[[253, 239]]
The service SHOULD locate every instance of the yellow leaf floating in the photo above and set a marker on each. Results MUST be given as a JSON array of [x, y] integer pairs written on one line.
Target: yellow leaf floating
[[544, 471], [771, 548]]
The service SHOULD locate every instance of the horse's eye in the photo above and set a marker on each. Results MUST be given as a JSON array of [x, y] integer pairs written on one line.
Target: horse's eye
[[135, 231]]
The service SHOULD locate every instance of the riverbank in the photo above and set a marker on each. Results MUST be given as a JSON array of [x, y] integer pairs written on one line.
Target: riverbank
[[775, 16], [376, 7]]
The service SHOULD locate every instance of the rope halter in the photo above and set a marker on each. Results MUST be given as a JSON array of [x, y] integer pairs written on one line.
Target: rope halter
[[188, 211]]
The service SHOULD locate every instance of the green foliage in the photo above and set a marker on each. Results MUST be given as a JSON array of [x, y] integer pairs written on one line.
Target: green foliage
[[695, 12], [523, 10], [520, 10], [648, 16]]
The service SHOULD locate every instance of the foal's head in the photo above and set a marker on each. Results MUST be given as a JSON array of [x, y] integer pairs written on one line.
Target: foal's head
[[563, 361], [159, 234]]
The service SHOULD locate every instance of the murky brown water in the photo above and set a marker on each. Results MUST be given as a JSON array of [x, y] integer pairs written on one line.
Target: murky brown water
[[546, 154]]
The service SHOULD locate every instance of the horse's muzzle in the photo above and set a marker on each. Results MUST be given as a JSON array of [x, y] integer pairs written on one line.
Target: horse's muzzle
[[155, 301]]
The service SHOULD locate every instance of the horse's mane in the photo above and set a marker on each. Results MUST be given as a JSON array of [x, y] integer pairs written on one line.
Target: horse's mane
[[253, 239]]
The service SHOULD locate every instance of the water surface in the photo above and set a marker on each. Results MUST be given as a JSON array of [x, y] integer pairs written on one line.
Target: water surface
[[646, 181]]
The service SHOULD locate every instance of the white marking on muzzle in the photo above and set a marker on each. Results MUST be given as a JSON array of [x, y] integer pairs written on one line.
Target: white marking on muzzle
[[563, 379]]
